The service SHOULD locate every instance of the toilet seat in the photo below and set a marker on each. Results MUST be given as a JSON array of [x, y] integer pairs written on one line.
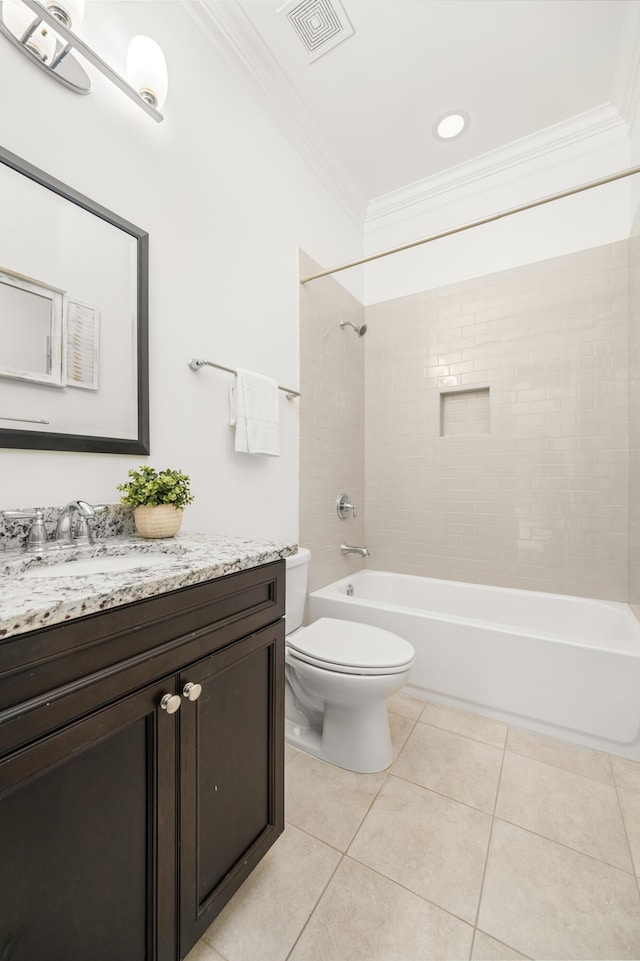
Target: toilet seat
[[349, 647]]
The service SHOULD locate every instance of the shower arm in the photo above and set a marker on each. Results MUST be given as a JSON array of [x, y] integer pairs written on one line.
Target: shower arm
[[360, 331]]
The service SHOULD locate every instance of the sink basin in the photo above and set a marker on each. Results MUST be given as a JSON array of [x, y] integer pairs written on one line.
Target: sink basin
[[102, 565]]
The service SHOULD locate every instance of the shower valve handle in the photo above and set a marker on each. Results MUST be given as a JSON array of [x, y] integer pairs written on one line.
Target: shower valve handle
[[344, 505]]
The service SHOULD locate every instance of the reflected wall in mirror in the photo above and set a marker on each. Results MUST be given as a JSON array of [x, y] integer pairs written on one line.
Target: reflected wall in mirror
[[31, 332], [73, 319]]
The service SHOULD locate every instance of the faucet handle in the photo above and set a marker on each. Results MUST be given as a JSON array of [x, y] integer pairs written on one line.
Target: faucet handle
[[344, 505], [37, 539], [84, 534]]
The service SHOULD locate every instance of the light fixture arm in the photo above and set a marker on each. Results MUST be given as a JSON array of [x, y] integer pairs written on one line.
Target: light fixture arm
[[59, 57], [74, 42], [29, 32]]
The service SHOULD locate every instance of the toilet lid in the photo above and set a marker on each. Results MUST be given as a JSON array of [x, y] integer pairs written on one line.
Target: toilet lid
[[351, 647]]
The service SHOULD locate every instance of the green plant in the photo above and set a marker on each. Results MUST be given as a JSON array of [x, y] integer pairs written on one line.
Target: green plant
[[150, 487]]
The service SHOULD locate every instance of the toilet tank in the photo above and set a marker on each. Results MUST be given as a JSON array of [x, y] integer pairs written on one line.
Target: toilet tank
[[297, 573]]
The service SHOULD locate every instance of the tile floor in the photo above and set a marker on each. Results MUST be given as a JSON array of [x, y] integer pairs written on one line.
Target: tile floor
[[479, 842]]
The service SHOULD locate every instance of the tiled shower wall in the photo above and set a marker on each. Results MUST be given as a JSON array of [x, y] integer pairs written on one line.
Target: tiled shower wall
[[331, 425], [535, 495], [634, 418]]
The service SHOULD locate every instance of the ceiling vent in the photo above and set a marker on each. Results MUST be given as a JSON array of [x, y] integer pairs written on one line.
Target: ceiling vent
[[320, 24]]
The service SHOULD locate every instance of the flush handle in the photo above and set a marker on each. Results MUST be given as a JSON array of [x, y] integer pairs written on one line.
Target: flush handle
[[344, 506], [192, 691]]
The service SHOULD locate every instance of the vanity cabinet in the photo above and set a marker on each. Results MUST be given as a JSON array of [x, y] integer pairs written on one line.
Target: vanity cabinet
[[130, 814]]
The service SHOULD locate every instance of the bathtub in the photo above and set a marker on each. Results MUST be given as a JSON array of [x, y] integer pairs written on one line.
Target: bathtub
[[559, 665]]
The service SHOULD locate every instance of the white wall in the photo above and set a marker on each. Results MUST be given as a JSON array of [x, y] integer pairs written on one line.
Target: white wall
[[635, 161], [493, 184], [227, 202], [627, 92]]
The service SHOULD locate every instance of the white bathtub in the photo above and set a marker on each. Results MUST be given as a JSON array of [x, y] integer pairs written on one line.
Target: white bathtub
[[565, 666]]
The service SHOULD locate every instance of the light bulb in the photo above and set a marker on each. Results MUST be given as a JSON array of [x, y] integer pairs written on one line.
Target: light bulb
[[68, 12], [18, 18], [147, 70], [451, 125]]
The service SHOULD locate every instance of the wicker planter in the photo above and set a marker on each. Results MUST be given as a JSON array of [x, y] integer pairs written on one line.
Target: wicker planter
[[161, 521]]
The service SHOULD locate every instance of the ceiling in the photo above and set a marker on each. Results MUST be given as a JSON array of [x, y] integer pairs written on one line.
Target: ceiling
[[369, 104]]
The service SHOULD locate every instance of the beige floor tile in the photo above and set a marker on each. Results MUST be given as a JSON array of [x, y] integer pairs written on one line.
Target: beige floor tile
[[400, 728], [406, 705], [365, 917], [566, 807], [630, 801], [548, 901], [571, 757], [203, 952], [464, 722], [488, 949], [627, 773], [264, 918], [289, 753], [430, 844], [450, 764], [328, 801]]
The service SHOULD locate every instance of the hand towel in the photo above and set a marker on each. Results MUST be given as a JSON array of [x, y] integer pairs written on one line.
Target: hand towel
[[257, 414]]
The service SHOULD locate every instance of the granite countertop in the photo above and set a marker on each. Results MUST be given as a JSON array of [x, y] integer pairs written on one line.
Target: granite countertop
[[28, 603]]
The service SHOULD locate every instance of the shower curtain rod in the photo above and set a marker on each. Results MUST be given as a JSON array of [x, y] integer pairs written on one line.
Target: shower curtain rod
[[474, 223]]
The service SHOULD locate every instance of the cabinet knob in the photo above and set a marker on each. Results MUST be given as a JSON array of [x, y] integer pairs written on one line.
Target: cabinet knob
[[192, 691], [171, 703]]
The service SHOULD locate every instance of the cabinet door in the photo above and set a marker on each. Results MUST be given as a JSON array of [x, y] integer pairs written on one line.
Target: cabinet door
[[86, 824], [231, 773]]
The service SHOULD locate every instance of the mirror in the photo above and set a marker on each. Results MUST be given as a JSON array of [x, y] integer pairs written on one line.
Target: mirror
[[31, 335], [73, 319]]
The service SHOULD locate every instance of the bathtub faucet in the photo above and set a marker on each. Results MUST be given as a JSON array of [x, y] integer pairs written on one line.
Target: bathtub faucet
[[347, 549]]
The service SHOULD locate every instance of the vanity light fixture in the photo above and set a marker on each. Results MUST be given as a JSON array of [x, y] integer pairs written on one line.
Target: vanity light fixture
[[451, 125], [43, 32]]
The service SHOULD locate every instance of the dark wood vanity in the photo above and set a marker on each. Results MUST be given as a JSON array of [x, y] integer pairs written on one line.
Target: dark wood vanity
[[130, 813]]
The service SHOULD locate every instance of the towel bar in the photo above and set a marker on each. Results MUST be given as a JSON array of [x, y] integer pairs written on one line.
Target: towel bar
[[196, 363]]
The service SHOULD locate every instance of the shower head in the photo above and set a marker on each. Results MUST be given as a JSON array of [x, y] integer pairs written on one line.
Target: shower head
[[360, 331]]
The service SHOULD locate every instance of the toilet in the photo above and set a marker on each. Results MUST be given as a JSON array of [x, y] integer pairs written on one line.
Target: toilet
[[339, 675]]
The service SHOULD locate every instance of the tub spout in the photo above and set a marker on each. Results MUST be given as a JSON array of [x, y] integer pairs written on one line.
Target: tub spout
[[347, 549]]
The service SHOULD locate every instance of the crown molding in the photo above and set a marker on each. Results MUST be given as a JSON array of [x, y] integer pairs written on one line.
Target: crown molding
[[626, 87], [229, 29], [603, 122]]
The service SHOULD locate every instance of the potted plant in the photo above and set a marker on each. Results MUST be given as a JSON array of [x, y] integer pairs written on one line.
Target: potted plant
[[158, 499]]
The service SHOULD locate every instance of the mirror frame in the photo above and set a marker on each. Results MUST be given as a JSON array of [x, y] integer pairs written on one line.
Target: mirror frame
[[43, 440]]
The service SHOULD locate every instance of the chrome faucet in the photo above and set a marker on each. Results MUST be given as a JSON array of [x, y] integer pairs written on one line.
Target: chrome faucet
[[64, 536], [347, 549]]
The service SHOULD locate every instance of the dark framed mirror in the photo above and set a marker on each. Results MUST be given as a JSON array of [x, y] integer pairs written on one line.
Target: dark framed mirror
[[74, 324]]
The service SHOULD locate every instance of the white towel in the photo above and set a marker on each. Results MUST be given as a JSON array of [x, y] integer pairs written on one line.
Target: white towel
[[255, 414]]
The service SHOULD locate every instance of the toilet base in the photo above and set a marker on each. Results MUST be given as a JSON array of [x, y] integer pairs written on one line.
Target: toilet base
[[356, 739]]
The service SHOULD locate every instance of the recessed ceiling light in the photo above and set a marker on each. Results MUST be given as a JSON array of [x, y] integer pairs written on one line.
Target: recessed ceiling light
[[451, 125]]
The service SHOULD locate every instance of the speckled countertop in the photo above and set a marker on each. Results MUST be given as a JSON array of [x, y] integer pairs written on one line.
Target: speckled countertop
[[28, 603]]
